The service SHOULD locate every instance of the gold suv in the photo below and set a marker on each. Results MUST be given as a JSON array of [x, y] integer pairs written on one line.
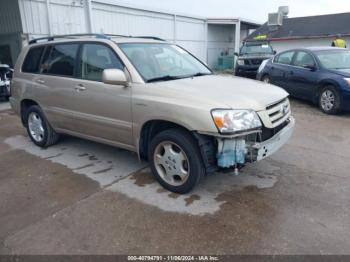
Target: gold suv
[[149, 96]]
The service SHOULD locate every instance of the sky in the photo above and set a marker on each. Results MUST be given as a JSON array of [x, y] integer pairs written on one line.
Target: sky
[[256, 10]]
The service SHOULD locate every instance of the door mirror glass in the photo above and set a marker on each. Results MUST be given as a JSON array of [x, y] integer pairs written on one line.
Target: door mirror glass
[[114, 77], [310, 67]]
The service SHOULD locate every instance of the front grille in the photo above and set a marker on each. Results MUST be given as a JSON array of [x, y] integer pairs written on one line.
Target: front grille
[[279, 112], [268, 133], [256, 61]]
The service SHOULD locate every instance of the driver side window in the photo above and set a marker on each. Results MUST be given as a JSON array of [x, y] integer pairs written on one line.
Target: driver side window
[[95, 58], [304, 59]]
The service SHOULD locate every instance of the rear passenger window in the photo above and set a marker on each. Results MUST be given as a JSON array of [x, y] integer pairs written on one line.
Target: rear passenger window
[[95, 58], [60, 60], [285, 58], [32, 60]]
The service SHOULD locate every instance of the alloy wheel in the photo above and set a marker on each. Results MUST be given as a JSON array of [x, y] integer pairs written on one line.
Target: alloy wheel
[[171, 163], [327, 100], [36, 128]]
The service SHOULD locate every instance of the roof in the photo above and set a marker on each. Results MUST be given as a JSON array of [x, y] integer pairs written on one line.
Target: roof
[[232, 20], [307, 27]]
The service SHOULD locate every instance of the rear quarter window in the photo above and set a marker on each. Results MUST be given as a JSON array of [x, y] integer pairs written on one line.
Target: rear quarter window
[[61, 60], [32, 61]]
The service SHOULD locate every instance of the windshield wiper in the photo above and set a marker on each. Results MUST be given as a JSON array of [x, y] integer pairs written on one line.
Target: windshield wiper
[[169, 77], [200, 74], [163, 78]]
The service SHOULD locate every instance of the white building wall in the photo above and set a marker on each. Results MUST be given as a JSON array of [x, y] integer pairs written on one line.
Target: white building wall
[[283, 45], [187, 32], [55, 17]]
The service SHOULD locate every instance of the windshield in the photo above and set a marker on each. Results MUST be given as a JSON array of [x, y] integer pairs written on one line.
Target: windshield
[[257, 49], [161, 62], [337, 59]]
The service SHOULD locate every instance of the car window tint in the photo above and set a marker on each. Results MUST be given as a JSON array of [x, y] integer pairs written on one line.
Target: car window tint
[[95, 58], [61, 60], [32, 60], [285, 58], [304, 59]]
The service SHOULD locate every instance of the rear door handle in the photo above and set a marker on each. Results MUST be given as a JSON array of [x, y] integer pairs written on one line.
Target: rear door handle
[[80, 87], [40, 81]]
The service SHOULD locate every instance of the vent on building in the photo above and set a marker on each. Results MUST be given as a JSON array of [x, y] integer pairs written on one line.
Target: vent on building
[[284, 10], [275, 19]]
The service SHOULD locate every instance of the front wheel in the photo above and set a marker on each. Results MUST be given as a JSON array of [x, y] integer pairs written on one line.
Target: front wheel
[[38, 128], [329, 100], [175, 160]]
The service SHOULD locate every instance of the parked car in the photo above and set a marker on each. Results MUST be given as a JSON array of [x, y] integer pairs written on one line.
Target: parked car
[[250, 57], [5, 80], [151, 97], [318, 74]]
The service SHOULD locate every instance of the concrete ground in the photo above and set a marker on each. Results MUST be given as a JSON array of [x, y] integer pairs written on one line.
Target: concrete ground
[[80, 197]]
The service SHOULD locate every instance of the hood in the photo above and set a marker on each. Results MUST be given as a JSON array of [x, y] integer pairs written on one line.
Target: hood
[[342, 72], [222, 91]]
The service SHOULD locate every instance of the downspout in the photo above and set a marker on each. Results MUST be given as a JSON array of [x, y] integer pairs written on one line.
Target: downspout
[[175, 29], [88, 11], [48, 12]]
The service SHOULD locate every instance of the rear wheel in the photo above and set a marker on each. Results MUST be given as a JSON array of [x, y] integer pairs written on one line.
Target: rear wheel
[[175, 160], [329, 100], [38, 128]]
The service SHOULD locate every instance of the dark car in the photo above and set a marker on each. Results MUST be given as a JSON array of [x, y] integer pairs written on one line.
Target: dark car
[[250, 57], [320, 75], [5, 79]]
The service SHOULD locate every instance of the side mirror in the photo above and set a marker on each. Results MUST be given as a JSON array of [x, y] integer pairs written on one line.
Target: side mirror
[[310, 67], [236, 54], [275, 52], [114, 77]]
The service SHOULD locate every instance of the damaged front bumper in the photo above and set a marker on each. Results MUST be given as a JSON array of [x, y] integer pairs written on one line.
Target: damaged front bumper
[[267, 148], [238, 151]]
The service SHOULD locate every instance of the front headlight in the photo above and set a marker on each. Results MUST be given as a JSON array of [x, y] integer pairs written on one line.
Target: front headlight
[[230, 121], [240, 62], [347, 80]]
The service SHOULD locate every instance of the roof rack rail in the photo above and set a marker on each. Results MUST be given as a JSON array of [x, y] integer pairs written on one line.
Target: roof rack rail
[[101, 36], [52, 38]]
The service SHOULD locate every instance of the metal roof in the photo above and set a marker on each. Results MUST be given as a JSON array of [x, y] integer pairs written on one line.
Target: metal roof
[[307, 27]]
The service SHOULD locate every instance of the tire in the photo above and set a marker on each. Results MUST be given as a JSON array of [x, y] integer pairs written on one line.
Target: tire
[[266, 79], [38, 128], [175, 160], [329, 100]]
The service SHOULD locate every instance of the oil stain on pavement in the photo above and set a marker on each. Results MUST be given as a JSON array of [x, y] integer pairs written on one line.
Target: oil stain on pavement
[[120, 171]]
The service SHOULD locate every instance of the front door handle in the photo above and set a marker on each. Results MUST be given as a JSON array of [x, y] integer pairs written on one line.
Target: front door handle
[[80, 88], [40, 81]]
